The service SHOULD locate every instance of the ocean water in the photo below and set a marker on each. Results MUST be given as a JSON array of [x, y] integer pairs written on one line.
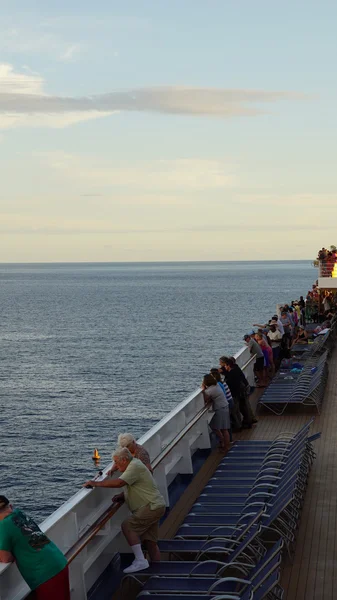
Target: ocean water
[[90, 350]]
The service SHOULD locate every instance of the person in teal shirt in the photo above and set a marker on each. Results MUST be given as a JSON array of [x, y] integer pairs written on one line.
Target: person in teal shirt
[[40, 562]]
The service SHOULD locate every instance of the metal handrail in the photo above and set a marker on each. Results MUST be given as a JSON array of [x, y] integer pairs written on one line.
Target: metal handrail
[[248, 362], [84, 540]]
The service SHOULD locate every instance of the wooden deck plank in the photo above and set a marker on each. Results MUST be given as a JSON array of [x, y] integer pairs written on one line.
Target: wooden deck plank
[[311, 576], [313, 573]]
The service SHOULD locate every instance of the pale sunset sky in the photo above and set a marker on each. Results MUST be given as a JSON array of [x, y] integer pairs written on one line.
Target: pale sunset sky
[[152, 130]]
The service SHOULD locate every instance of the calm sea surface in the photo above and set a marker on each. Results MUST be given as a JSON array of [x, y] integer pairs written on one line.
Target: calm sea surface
[[90, 350]]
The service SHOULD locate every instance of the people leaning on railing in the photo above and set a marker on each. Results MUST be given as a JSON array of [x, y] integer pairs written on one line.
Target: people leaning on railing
[[239, 388], [216, 398], [256, 351], [145, 502], [40, 562], [127, 440]]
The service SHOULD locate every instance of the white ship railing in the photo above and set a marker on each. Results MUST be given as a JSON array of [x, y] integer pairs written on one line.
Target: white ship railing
[[87, 527]]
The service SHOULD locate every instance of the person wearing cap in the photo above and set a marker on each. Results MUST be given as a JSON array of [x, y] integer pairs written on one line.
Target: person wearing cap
[[255, 350], [39, 560], [279, 323]]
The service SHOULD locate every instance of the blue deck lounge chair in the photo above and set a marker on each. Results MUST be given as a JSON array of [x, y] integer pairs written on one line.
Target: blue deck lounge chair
[[216, 584]]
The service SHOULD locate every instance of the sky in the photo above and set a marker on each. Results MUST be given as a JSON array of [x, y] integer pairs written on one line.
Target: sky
[[150, 130]]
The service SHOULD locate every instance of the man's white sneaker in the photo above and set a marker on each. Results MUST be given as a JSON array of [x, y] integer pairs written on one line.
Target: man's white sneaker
[[137, 565]]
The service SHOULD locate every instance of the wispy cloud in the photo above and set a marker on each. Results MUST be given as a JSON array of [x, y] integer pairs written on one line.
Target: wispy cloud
[[307, 201], [22, 99], [31, 111], [37, 40], [185, 174], [70, 53], [88, 228]]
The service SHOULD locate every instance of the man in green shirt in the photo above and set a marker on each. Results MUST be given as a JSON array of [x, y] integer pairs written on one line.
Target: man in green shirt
[[40, 562], [144, 501]]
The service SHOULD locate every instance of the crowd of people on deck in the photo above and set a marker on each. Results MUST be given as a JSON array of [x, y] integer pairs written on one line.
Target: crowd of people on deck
[[226, 391], [328, 259]]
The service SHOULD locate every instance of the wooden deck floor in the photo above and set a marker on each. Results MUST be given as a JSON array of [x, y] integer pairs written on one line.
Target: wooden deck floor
[[313, 574]]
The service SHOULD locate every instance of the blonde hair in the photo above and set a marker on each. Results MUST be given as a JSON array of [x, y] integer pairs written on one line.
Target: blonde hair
[[125, 439]]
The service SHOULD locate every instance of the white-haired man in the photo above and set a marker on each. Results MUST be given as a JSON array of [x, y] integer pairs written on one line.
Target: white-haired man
[[127, 440], [145, 502]]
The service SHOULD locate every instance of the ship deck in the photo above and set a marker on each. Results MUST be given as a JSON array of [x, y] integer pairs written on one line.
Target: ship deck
[[313, 572]]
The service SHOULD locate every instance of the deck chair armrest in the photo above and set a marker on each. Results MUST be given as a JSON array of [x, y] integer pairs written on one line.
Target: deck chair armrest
[[205, 562], [258, 485], [221, 539], [228, 580], [243, 567], [233, 527]]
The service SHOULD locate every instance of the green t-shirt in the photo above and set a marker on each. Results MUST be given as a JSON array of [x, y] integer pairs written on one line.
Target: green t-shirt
[[141, 487], [37, 558]]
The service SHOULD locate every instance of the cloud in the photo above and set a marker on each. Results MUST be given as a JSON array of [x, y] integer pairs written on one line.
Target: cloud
[[29, 87], [70, 53], [91, 227], [37, 39], [305, 200], [150, 175], [24, 102]]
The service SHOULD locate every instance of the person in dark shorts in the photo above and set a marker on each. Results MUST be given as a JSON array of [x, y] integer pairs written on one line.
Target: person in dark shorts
[[40, 562], [239, 388]]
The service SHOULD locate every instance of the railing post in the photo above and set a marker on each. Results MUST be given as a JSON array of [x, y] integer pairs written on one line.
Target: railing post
[[160, 477], [204, 441], [77, 581]]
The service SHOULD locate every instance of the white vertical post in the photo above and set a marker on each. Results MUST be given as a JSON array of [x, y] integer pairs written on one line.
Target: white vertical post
[[77, 581]]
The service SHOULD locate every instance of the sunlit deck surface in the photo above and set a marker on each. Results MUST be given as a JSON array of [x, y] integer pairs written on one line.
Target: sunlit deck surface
[[313, 573]]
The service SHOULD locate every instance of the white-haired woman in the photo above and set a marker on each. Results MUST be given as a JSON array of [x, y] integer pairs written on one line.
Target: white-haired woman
[[127, 440]]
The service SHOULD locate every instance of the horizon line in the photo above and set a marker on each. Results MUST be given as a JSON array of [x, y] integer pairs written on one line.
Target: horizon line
[[153, 261]]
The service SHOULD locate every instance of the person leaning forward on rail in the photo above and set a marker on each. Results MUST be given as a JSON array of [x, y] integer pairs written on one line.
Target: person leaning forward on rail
[[126, 440], [144, 501], [40, 562]]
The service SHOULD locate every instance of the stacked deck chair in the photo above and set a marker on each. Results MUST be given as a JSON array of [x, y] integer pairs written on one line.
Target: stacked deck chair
[[303, 386], [231, 542]]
